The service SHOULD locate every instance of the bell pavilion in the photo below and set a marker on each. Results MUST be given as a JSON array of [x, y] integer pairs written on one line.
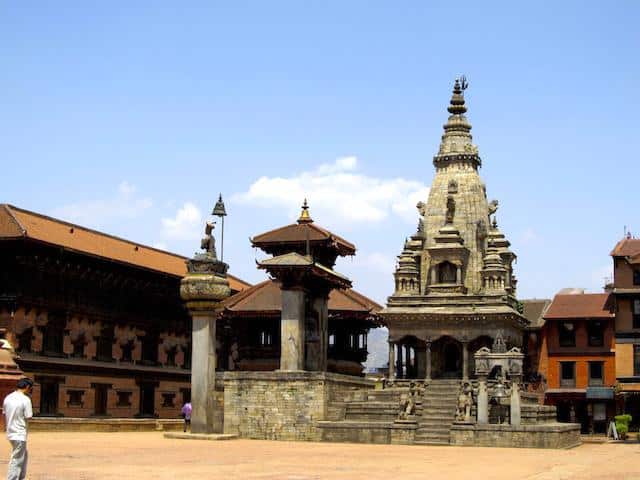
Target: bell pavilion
[[455, 288]]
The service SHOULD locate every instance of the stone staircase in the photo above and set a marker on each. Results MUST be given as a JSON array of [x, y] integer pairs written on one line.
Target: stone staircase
[[437, 413]]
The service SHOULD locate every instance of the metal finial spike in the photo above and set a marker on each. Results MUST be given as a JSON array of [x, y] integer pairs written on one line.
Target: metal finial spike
[[304, 214]]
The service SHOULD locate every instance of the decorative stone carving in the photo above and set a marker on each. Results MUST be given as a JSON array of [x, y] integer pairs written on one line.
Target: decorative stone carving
[[465, 401]]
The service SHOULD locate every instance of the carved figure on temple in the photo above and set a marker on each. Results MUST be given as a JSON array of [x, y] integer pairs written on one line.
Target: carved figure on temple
[[465, 401], [408, 403], [493, 207], [422, 208], [208, 243], [451, 209]]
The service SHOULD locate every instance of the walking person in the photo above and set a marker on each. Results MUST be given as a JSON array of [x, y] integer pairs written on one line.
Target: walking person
[[17, 409], [186, 414]]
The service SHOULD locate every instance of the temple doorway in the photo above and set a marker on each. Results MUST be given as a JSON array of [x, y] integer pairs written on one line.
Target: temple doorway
[[147, 399], [452, 357], [446, 358]]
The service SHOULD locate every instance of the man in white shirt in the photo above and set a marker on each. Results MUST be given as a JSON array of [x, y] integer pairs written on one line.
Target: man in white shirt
[[17, 409]]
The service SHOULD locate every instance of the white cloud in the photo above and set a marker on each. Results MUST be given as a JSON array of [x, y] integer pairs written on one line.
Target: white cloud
[[376, 261], [338, 193], [124, 204], [185, 225]]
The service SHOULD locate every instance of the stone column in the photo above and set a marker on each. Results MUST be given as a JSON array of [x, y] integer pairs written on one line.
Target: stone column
[[292, 330], [203, 371], [434, 275], [515, 405], [428, 357], [465, 360], [202, 289], [316, 340], [483, 402], [458, 275], [392, 360]]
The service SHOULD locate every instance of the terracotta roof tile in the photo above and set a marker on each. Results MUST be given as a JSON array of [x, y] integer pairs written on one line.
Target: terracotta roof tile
[[534, 310], [588, 305], [301, 232], [75, 237], [626, 247], [265, 297]]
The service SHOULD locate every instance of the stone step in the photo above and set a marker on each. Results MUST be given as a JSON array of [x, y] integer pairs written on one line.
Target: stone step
[[432, 442], [432, 438], [433, 431]]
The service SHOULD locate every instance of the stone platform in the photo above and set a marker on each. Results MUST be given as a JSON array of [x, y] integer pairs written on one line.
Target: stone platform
[[544, 435], [200, 436], [68, 424], [285, 405]]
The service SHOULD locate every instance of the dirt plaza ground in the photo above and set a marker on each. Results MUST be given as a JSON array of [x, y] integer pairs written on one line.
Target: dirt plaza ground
[[148, 455]]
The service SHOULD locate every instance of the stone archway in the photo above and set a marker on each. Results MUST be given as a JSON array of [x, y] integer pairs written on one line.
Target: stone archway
[[446, 358]]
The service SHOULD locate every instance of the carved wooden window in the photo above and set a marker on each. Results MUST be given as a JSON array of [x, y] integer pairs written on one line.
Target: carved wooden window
[[187, 355], [168, 399], [53, 336], [150, 348], [635, 311], [636, 277], [104, 344], [636, 360], [596, 374], [568, 374], [447, 273], [171, 357], [24, 341], [595, 330], [567, 334], [75, 398], [127, 351], [124, 399]]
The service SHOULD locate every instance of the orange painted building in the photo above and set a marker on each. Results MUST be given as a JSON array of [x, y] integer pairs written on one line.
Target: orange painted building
[[626, 293], [576, 356]]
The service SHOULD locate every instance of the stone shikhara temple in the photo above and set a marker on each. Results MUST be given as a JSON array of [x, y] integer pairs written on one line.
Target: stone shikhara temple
[[455, 331], [454, 286]]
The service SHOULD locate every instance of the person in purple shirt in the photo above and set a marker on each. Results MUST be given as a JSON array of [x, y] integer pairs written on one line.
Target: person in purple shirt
[[186, 414]]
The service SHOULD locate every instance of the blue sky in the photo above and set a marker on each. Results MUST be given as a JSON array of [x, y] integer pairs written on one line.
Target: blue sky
[[130, 117]]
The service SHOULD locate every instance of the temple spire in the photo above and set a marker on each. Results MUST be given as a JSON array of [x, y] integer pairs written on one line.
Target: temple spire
[[456, 144], [304, 214]]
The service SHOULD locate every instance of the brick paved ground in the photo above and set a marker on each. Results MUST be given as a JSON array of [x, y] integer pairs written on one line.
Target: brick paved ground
[[101, 456]]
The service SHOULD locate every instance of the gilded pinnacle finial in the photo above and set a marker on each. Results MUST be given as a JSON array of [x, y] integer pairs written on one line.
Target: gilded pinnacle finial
[[304, 214]]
